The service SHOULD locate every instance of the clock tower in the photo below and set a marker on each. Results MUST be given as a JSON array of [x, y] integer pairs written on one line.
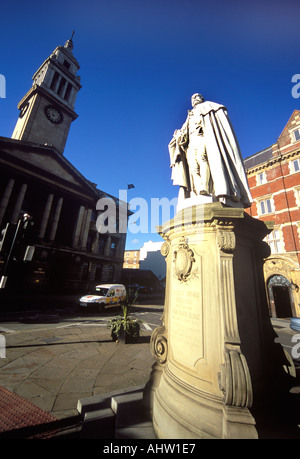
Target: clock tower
[[47, 110]]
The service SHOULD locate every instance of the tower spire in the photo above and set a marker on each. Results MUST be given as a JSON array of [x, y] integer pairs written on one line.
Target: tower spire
[[69, 43]]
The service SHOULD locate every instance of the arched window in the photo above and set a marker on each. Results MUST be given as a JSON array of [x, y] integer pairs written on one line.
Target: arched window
[[280, 297]]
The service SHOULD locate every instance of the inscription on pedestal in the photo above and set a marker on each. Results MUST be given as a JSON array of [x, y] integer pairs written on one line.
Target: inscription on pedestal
[[186, 321]]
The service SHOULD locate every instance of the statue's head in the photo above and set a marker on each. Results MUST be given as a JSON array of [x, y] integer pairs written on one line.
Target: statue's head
[[197, 99]]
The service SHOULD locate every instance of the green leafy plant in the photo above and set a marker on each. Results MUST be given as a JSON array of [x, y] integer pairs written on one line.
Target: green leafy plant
[[124, 326]]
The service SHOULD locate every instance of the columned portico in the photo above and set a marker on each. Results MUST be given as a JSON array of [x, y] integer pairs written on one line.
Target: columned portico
[[86, 228], [69, 253], [56, 219], [107, 246], [19, 202], [45, 218], [78, 226]]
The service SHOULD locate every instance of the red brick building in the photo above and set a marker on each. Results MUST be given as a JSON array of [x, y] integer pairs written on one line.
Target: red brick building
[[274, 180]]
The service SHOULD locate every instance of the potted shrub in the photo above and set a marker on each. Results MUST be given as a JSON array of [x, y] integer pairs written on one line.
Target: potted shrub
[[125, 328]]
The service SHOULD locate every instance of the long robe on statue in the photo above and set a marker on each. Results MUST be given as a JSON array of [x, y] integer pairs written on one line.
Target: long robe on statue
[[227, 170]]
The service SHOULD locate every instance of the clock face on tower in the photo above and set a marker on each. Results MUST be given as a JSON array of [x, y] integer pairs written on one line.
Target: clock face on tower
[[53, 114], [24, 110]]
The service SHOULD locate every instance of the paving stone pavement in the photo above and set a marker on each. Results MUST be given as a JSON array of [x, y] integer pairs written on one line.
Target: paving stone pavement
[[54, 368]]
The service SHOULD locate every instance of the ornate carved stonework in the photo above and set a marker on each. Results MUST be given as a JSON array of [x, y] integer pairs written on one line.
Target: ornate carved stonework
[[160, 347], [279, 265], [235, 379], [226, 240], [165, 249], [183, 261], [212, 354]]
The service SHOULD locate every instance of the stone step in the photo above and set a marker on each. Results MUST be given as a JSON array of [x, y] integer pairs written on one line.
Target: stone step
[[98, 424], [118, 415], [132, 418]]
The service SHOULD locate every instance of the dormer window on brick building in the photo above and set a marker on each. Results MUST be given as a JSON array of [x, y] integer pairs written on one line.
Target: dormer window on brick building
[[297, 135]]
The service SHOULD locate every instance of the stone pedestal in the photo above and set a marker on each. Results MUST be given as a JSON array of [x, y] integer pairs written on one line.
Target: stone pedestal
[[215, 352]]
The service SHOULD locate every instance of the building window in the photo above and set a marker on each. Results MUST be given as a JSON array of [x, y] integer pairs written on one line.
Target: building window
[[296, 165], [61, 86], [68, 92], [98, 273], [265, 206], [94, 215], [274, 241], [54, 81], [101, 246], [90, 241], [261, 178], [297, 134], [67, 64], [297, 196], [113, 249]]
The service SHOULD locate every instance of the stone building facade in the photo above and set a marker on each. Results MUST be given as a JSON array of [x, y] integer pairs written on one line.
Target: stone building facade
[[67, 252], [274, 180], [131, 259]]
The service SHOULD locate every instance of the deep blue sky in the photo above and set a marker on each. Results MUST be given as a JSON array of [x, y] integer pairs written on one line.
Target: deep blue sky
[[141, 60]]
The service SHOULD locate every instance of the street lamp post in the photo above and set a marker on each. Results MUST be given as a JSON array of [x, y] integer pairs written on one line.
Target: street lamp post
[[3, 280]]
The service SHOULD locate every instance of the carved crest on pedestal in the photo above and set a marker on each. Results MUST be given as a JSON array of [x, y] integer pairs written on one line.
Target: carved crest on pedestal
[[183, 261]]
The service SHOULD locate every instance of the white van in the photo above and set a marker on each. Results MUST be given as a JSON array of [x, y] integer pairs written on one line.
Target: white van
[[103, 295]]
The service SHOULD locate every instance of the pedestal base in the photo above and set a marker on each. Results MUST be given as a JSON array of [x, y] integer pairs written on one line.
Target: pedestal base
[[180, 412], [213, 350]]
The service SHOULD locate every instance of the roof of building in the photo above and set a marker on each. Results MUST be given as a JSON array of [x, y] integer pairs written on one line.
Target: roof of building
[[47, 159], [266, 154], [258, 158]]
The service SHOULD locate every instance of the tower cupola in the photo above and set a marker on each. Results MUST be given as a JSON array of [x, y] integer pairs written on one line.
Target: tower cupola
[[48, 108]]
